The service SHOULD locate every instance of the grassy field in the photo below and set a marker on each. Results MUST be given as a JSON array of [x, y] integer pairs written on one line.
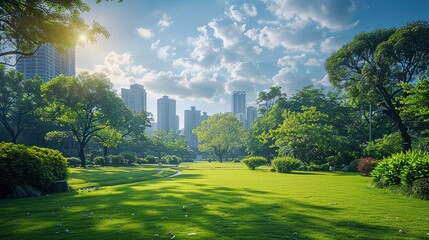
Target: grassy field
[[218, 201]]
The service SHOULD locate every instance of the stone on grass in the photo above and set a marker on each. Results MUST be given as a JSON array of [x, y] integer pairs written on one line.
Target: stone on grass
[[22, 191]]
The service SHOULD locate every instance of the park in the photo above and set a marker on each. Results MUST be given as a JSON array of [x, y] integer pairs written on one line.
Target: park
[[345, 157]]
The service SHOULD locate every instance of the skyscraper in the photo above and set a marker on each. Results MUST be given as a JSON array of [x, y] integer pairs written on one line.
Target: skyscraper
[[192, 121], [252, 114], [166, 114], [135, 98], [238, 102], [48, 62]]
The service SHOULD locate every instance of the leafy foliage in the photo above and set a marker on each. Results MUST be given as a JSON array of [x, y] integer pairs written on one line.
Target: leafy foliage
[[34, 166], [384, 147], [220, 134], [172, 159], [366, 165], [286, 164], [401, 169], [421, 188], [253, 162], [85, 105], [20, 102], [55, 22], [306, 136]]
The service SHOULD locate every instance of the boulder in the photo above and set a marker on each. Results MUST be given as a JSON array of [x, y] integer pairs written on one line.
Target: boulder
[[60, 186], [22, 191]]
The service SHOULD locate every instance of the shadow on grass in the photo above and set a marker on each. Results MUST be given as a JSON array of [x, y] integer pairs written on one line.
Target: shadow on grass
[[178, 207]]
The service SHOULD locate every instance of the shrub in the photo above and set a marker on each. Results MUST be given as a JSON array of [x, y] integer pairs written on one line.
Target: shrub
[[401, 168], [73, 162], [99, 160], [366, 165], [286, 164], [384, 147], [129, 157], [142, 161], [33, 166], [353, 166], [421, 188], [174, 160], [253, 162], [151, 160], [116, 159]]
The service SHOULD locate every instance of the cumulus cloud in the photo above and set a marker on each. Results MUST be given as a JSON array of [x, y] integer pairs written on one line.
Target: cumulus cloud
[[165, 52], [229, 34], [155, 44], [165, 22], [239, 15], [313, 62], [234, 14], [331, 44], [324, 82], [250, 10], [330, 14], [145, 33]]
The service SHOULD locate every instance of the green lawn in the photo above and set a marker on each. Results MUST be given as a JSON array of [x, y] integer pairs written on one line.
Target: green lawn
[[219, 201]]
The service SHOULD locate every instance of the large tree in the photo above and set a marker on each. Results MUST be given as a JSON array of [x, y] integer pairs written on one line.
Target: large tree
[[372, 67], [20, 101], [26, 24], [220, 134], [85, 105]]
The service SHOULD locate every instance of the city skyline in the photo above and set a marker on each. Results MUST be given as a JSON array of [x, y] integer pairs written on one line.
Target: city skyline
[[199, 52]]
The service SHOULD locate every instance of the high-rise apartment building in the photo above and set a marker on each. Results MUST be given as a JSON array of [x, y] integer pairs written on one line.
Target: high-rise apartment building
[[135, 98], [192, 121], [166, 114], [252, 114], [47, 62], [238, 102]]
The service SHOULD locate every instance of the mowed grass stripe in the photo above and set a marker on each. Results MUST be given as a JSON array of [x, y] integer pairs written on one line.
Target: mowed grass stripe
[[222, 201]]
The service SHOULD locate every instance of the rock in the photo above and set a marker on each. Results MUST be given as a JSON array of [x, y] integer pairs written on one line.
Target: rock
[[60, 186], [22, 191]]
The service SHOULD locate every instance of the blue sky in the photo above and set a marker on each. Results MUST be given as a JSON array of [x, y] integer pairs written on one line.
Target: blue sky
[[198, 52]]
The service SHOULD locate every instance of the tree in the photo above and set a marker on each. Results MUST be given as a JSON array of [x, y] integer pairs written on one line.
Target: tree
[[219, 134], [306, 135], [372, 67], [27, 24], [170, 143], [20, 101], [269, 98], [85, 105]]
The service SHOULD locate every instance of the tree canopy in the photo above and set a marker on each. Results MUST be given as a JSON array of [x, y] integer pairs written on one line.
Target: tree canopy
[[56, 22], [220, 134], [372, 67], [85, 105]]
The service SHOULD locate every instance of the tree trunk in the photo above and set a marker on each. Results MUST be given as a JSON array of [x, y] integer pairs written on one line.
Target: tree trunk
[[105, 155], [406, 138], [82, 154]]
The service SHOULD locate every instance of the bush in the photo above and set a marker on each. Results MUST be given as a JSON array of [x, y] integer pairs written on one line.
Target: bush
[[33, 166], [401, 168], [73, 162], [384, 147], [174, 160], [151, 160], [286, 164], [421, 188], [366, 165], [129, 157], [253, 162], [353, 166], [142, 161], [99, 160], [116, 159]]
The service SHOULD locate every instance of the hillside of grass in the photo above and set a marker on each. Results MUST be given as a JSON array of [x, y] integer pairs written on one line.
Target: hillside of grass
[[221, 201]]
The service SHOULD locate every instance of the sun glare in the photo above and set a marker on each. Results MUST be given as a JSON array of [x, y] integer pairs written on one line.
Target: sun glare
[[82, 38]]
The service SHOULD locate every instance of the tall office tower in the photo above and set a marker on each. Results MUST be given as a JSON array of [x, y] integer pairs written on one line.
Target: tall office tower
[[166, 115], [204, 116], [135, 97], [192, 121], [252, 114], [48, 62], [238, 102]]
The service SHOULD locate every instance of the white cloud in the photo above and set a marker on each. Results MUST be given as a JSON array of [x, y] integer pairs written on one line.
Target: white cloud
[[258, 50], [144, 32], [250, 10], [234, 14], [324, 82], [165, 51], [229, 34], [331, 14], [154, 45], [313, 62], [164, 22], [331, 44]]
